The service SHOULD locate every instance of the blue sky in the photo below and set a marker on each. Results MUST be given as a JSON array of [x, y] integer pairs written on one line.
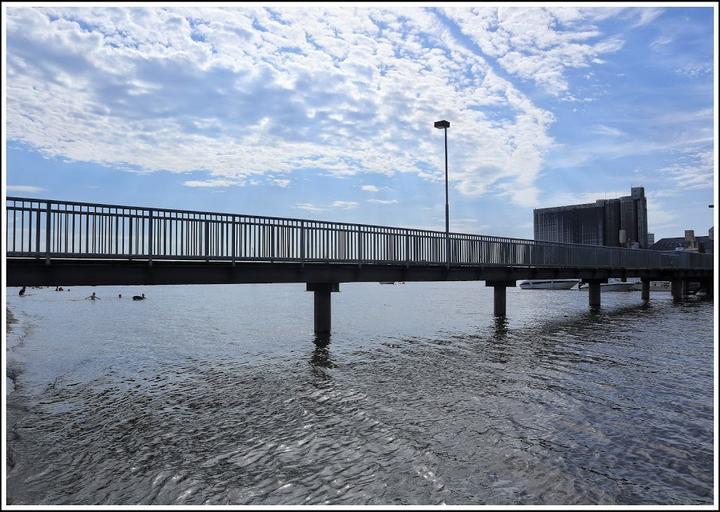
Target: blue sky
[[326, 111]]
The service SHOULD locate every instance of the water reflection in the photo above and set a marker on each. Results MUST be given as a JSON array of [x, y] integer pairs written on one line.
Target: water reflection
[[321, 354], [501, 327]]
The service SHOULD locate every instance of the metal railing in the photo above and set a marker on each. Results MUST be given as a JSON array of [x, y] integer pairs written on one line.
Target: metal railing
[[66, 229]]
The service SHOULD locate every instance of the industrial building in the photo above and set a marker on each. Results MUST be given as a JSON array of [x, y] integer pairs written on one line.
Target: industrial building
[[620, 222], [689, 242]]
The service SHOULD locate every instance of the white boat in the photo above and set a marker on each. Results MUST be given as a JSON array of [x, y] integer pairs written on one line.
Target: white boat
[[615, 284], [548, 284], [655, 286]]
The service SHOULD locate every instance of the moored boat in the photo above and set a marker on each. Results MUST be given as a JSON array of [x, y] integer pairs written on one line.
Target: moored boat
[[616, 285], [655, 286], [548, 284]]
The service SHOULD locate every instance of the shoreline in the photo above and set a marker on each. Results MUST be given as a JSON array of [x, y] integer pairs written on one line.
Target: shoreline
[[12, 371], [9, 320], [13, 409]]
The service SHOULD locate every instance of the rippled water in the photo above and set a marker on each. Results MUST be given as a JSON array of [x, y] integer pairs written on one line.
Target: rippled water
[[222, 395]]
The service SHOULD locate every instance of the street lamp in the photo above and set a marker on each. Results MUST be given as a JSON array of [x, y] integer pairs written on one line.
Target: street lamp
[[445, 125]]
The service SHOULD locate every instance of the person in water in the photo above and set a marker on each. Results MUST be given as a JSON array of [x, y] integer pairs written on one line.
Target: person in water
[[22, 291], [138, 297], [93, 297], [119, 295]]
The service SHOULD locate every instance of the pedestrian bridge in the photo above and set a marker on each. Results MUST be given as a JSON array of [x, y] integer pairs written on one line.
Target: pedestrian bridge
[[50, 243]]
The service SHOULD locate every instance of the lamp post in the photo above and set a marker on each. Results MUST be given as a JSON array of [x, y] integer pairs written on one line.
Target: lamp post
[[445, 125]]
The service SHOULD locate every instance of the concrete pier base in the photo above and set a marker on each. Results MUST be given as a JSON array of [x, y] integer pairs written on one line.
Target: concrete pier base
[[500, 296], [685, 288], [594, 292], [645, 291], [708, 285], [322, 315], [500, 300], [677, 289]]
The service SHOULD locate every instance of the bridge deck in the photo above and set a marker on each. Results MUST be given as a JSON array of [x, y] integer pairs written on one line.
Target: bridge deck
[[36, 272]]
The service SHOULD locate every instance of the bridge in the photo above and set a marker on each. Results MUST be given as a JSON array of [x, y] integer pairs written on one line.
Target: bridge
[[51, 243]]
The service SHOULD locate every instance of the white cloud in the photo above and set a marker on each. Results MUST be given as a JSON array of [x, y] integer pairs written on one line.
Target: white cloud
[[694, 69], [309, 207], [536, 43], [210, 183], [645, 15], [703, 116], [692, 171], [283, 183], [661, 41], [383, 201], [25, 189], [601, 129], [345, 205], [188, 89], [369, 188]]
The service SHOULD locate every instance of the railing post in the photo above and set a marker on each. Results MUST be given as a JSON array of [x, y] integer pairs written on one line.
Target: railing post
[[302, 241], [47, 235], [232, 251], [360, 245], [207, 239], [327, 243], [407, 248], [117, 233], [150, 237], [272, 242], [131, 244], [447, 250], [37, 230]]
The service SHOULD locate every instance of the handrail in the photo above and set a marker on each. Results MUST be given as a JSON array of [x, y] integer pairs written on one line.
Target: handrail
[[92, 230]]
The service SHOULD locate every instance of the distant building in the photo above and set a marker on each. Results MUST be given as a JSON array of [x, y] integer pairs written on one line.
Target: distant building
[[689, 242], [651, 239], [620, 222]]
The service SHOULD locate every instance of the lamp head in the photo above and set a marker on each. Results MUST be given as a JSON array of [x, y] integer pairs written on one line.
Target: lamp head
[[442, 124]]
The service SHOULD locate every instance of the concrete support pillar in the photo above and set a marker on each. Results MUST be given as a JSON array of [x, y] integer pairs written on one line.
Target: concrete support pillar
[[322, 305], [645, 293], [500, 302], [676, 288], [594, 294], [686, 288]]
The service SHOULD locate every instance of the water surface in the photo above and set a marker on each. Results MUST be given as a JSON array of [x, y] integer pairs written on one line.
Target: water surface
[[222, 395]]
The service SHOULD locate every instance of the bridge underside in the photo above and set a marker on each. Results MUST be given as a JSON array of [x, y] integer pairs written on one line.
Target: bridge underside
[[36, 272]]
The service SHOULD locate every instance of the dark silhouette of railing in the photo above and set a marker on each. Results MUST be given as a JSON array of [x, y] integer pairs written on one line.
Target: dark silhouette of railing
[[50, 229]]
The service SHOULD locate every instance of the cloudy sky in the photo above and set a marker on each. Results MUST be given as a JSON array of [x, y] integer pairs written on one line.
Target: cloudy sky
[[327, 111]]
